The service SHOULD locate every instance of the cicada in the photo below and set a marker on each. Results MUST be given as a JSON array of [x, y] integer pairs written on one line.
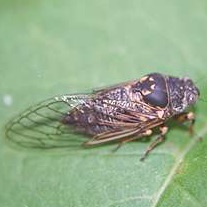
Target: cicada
[[120, 113]]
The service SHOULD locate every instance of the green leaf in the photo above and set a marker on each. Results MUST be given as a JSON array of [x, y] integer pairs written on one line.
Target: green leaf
[[56, 47]]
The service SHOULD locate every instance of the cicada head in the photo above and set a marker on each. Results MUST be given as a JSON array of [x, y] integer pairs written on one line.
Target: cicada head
[[183, 93]]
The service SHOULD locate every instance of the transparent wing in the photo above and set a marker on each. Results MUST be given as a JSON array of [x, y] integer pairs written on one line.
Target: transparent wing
[[40, 125]]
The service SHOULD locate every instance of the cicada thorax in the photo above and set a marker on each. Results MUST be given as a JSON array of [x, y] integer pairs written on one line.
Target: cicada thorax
[[154, 90], [155, 94]]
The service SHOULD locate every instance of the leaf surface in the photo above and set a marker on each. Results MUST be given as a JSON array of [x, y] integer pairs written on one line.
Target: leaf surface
[[56, 47]]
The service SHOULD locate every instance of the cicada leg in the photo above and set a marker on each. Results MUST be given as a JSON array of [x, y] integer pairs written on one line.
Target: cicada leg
[[157, 141], [123, 141], [188, 116]]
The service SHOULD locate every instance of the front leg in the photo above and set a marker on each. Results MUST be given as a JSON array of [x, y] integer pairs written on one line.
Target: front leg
[[184, 117]]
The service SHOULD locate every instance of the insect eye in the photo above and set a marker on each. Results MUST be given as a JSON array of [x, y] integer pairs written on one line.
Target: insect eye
[[154, 91]]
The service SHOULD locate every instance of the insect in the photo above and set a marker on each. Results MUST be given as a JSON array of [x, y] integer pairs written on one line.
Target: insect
[[121, 113]]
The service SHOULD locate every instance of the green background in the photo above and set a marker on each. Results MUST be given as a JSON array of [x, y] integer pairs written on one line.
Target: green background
[[54, 47]]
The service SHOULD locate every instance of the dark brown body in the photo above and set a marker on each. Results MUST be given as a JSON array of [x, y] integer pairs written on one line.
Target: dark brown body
[[120, 113], [130, 109]]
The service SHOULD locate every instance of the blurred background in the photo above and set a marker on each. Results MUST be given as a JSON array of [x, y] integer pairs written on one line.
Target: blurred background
[[56, 47]]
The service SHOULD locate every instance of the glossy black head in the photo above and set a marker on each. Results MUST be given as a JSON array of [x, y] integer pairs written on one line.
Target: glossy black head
[[183, 93], [154, 90]]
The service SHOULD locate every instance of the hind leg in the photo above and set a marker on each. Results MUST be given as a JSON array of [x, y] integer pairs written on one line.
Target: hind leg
[[125, 140]]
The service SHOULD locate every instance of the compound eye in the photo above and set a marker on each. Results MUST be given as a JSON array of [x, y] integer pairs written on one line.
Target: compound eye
[[154, 90]]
